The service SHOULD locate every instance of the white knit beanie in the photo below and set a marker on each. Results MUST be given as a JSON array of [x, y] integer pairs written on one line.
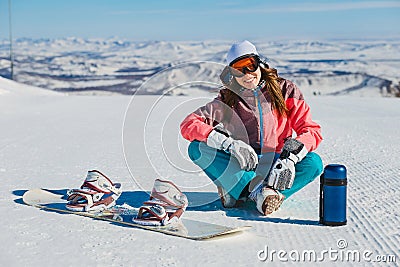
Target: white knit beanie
[[240, 49]]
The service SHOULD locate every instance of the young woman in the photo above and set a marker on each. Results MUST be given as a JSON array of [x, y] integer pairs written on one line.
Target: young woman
[[244, 139]]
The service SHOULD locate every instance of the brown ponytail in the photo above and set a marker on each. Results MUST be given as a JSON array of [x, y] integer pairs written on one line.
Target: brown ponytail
[[272, 79]]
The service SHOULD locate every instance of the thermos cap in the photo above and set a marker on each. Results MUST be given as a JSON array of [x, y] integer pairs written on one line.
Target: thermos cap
[[335, 171]]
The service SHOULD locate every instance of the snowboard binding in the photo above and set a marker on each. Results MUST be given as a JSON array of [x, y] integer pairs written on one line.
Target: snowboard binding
[[166, 205], [97, 193]]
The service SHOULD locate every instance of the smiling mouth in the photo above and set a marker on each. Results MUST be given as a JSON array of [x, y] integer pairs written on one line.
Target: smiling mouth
[[249, 80]]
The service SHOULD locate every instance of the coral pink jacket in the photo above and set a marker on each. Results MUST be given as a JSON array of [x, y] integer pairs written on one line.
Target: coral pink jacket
[[254, 121]]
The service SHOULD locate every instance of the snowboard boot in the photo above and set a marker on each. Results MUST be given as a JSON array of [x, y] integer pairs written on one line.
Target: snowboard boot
[[267, 199], [226, 199]]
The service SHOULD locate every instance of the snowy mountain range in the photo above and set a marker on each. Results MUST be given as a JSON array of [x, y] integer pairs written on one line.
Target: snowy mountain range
[[94, 66]]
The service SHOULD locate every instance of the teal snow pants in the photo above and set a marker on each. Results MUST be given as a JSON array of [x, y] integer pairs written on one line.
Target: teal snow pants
[[224, 170]]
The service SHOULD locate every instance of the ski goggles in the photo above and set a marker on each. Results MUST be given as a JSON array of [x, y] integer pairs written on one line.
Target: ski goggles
[[240, 66]]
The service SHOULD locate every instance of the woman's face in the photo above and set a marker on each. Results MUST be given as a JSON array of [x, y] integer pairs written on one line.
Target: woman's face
[[250, 80]]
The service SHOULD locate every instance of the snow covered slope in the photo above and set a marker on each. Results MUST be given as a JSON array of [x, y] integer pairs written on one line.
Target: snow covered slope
[[52, 140], [11, 87]]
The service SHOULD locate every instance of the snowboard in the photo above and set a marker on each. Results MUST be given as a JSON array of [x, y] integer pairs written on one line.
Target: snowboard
[[55, 200]]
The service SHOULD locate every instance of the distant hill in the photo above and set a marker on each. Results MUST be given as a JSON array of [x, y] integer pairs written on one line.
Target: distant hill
[[362, 68]]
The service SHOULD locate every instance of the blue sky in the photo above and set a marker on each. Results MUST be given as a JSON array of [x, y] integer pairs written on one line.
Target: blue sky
[[202, 19]]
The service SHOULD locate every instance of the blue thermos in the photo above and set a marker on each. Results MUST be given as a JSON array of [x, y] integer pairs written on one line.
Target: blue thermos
[[333, 195]]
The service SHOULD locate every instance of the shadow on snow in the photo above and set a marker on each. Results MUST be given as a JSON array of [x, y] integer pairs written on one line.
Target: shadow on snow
[[245, 211]]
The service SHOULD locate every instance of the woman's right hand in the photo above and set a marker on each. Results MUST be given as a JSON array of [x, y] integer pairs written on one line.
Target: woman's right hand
[[243, 152]]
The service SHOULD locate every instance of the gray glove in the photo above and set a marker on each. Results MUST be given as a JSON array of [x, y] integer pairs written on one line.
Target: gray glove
[[283, 171], [244, 153]]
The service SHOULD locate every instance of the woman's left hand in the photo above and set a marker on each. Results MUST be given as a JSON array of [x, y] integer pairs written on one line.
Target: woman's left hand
[[283, 171], [282, 174]]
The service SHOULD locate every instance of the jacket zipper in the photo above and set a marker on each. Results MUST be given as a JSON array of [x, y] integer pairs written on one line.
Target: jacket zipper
[[258, 103]]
